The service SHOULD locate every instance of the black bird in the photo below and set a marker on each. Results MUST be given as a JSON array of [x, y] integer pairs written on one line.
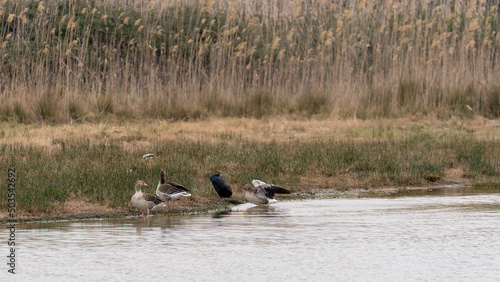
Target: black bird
[[221, 186]]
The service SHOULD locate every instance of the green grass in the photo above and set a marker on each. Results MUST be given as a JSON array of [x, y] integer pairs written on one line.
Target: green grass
[[106, 173]]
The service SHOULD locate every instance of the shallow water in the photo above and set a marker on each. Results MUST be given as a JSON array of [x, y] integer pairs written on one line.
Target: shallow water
[[431, 238]]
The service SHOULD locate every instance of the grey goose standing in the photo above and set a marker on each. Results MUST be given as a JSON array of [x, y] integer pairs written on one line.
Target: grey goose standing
[[170, 191], [144, 201]]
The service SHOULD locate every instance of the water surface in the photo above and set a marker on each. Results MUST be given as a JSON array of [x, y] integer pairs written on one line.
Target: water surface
[[431, 238]]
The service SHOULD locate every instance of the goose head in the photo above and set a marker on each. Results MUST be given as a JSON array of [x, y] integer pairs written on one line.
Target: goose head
[[139, 184], [247, 187]]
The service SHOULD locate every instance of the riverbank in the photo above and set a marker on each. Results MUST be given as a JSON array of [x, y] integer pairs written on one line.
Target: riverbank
[[88, 170], [78, 209]]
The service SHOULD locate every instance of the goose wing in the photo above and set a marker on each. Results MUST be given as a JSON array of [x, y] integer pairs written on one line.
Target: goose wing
[[150, 198], [268, 189], [177, 187], [171, 188], [257, 183], [272, 189]]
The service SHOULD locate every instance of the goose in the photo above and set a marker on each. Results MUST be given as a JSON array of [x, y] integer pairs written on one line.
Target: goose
[[170, 191], [144, 201], [262, 193], [221, 186]]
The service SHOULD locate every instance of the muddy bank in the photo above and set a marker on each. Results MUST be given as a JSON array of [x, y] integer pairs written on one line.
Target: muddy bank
[[83, 209]]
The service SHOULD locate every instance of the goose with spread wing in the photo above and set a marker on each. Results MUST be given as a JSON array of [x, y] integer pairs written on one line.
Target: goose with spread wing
[[261, 193], [170, 191]]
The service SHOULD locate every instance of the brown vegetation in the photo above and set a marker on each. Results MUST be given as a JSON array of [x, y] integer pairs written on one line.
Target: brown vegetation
[[143, 134], [78, 61]]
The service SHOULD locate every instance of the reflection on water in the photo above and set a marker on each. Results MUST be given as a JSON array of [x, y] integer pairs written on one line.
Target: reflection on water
[[406, 238]]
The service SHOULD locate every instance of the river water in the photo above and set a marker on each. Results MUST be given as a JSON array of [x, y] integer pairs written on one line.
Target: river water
[[425, 238]]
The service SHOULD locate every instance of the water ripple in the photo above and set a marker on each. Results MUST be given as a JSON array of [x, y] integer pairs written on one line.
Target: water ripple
[[453, 238]]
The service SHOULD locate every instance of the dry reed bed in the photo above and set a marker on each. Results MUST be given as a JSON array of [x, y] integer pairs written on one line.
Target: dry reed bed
[[85, 60], [138, 135]]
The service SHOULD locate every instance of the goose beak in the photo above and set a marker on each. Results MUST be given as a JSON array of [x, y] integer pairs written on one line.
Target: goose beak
[[145, 184]]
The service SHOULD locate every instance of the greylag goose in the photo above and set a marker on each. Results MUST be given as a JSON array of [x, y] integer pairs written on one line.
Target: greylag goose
[[144, 201], [262, 193], [170, 191], [221, 186]]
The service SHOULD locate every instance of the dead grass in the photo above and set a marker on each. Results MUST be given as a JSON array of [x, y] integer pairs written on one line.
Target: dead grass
[[141, 134]]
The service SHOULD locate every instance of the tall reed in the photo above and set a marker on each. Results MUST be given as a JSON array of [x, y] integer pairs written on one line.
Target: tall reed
[[74, 60]]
